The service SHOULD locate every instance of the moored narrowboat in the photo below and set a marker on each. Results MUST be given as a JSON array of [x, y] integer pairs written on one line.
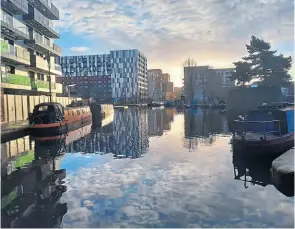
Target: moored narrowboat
[[49, 119], [269, 129]]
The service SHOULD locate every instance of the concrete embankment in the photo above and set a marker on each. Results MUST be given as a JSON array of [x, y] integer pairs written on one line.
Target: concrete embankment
[[282, 173], [100, 111]]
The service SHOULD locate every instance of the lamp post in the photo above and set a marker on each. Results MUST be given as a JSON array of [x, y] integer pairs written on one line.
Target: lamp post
[[49, 75]]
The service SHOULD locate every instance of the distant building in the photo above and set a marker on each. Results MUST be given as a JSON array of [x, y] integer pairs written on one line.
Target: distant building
[[178, 91], [89, 76], [202, 83], [167, 92], [155, 81], [120, 75], [129, 75]]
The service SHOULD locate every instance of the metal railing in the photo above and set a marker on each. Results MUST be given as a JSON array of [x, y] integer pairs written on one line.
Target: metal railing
[[16, 24], [15, 79], [17, 5], [8, 50], [242, 127], [42, 84]]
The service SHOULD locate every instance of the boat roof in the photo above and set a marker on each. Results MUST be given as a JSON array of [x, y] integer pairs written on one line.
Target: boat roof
[[48, 103]]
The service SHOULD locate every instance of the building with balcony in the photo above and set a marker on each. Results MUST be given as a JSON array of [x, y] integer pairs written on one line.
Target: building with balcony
[[29, 57]]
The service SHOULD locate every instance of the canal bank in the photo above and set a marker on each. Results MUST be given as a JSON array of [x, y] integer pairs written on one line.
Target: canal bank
[[283, 172]]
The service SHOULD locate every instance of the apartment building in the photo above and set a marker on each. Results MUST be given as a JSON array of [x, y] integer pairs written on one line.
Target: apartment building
[[29, 56], [118, 76], [155, 84], [129, 75], [205, 84], [88, 76]]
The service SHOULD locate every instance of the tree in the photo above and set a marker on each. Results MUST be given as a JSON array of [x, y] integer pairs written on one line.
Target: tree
[[264, 64], [242, 73]]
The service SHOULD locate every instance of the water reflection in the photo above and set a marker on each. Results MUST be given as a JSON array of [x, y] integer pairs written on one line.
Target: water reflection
[[201, 127], [159, 120], [74, 180], [31, 190], [251, 170]]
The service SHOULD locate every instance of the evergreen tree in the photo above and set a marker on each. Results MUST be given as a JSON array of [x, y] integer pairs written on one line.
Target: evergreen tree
[[264, 64], [242, 73]]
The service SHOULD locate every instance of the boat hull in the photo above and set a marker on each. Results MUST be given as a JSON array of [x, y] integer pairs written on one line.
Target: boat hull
[[62, 128], [264, 147]]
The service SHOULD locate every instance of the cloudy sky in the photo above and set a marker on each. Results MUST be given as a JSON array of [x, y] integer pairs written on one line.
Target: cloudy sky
[[213, 32]]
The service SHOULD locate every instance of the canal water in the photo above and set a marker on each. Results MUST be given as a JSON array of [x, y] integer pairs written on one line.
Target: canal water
[[142, 168]]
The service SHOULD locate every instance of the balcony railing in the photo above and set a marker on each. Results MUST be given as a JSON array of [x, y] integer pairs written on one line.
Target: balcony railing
[[41, 23], [13, 27], [15, 79], [47, 7], [14, 54], [15, 6], [57, 67], [39, 62], [42, 84], [42, 44]]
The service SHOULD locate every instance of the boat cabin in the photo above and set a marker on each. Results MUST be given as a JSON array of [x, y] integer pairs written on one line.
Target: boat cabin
[[46, 113], [276, 119]]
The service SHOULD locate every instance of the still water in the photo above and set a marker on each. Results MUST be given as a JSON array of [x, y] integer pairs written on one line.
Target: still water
[[143, 168]]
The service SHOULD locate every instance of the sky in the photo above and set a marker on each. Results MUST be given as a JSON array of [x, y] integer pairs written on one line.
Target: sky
[[213, 32]]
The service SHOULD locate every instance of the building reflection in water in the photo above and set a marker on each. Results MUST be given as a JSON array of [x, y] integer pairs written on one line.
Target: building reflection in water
[[32, 185], [159, 120], [201, 126]]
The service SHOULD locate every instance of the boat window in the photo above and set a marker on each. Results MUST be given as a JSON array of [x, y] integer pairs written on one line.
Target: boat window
[[43, 108], [73, 114], [78, 112]]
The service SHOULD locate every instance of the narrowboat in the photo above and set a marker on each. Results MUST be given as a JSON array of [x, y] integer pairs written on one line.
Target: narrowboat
[[50, 119], [269, 129]]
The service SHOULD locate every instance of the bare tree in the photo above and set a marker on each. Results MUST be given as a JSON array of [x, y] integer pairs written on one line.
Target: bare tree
[[190, 62]]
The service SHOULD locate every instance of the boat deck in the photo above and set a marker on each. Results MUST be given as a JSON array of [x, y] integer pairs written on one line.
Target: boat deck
[[251, 136]]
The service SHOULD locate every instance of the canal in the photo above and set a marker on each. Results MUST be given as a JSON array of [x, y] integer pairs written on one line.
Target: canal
[[142, 168]]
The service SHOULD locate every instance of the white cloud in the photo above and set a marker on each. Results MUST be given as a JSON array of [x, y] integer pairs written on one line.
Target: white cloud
[[80, 49], [168, 31]]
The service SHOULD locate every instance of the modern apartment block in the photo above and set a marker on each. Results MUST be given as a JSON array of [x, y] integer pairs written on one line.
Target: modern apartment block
[[205, 84], [129, 75], [225, 75], [155, 84], [88, 76], [27, 45], [118, 76]]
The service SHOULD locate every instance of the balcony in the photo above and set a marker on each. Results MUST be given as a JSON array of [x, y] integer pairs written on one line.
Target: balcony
[[41, 23], [37, 62], [47, 8], [14, 55], [14, 81], [57, 69], [15, 6], [39, 43], [40, 84], [13, 27]]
